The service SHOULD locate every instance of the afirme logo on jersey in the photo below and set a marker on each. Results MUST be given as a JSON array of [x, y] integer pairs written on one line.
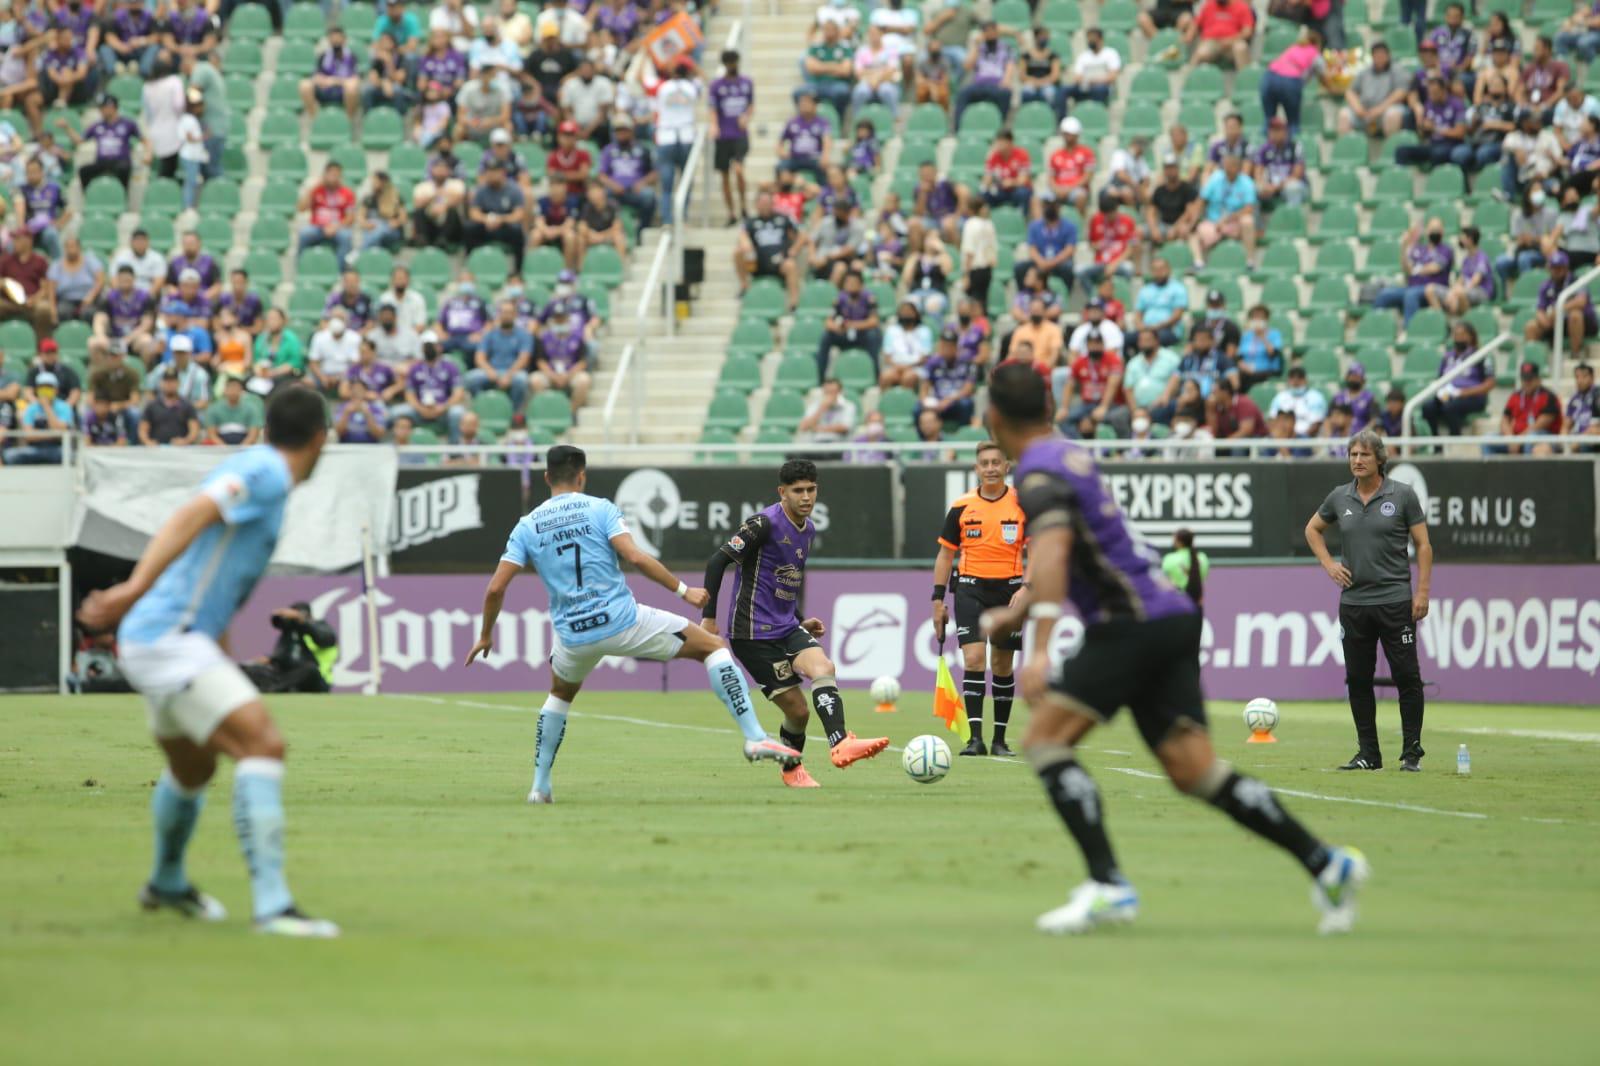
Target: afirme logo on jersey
[[435, 509]]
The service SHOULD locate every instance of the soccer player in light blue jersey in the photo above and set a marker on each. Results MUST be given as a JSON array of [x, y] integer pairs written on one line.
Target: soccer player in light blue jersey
[[195, 573], [577, 544]]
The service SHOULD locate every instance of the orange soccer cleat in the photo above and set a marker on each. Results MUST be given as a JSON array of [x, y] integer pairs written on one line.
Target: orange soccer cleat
[[796, 777], [852, 749]]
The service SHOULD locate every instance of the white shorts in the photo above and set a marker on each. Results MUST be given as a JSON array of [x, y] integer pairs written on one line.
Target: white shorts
[[653, 635], [188, 684]]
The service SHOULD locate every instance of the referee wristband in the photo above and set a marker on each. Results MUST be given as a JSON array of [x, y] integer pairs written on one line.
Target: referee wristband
[[1044, 610], [938, 592], [683, 589]]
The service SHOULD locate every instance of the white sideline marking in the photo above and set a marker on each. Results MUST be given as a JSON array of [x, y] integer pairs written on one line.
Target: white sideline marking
[[1129, 770], [1529, 734]]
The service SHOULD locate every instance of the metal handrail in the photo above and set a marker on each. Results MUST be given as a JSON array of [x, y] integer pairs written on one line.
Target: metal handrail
[[1407, 432], [1582, 282], [613, 394], [684, 190]]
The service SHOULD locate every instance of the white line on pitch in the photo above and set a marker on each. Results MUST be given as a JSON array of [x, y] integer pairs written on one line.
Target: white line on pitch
[[1528, 734]]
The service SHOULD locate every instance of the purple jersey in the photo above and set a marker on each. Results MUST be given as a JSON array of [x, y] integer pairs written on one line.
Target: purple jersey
[[864, 154], [113, 141], [132, 23], [563, 351], [126, 310], [1446, 114], [433, 383], [44, 201], [804, 137], [462, 314], [731, 98], [625, 166], [365, 424], [989, 68], [1113, 575], [947, 379], [576, 306], [1477, 265], [621, 22], [339, 63], [1363, 407], [855, 307], [103, 431], [1465, 379], [972, 339], [71, 59], [1222, 147], [1279, 160], [357, 308], [1425, 254], [201, 264], [1455, 46], [449, 69], [199, 307], [246, 309], [942, 199], [191, 27], [77, 19], [770, 553], [375, 376], [1583, 410]]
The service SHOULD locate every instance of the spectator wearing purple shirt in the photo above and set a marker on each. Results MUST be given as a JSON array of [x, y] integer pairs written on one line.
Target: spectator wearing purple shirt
[[949, 383], [1583, 409], [1427, 264], [434, 396], [1442, 123], [1232, 142], [806, 143], [628, 171], [124, 320], [561, 361], [190, 30], [853, 324], [991, 67], [381, 382], [66, 77], [1467, 391], [1455, 46], [733, 98], [357, 304], [1394, 408], [936, 205], [361, 419], [45, 207], [242, 301], [190, 257], [112, 137], [1355, 395], [1579, 309], [79, 18], [130, 37], [462, 318], [1280, 167], [1474, 283], [334, 79]]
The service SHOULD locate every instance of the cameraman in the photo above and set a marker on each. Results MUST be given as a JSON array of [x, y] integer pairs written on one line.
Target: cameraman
[[303, 658]]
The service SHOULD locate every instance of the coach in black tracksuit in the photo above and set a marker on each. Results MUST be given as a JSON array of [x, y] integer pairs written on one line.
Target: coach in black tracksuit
[[1376, 518]]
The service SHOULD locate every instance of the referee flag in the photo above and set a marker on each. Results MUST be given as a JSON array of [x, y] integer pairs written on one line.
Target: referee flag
[[947, 703]]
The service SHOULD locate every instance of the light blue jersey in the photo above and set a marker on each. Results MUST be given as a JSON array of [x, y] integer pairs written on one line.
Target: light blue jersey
[[567, 540], [213, 577]]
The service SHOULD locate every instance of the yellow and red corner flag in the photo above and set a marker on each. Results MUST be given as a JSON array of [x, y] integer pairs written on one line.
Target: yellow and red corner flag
[[947, 703]]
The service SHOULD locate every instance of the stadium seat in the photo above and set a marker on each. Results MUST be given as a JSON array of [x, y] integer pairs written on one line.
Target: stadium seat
[[264, 269], [796, 372], [1034, 121], [803, 337], [603, 264], [279, 130], [764, 299], [431, 267], [751, 337], [1142, 120], [1324, 329], [249, 23], [216, 233], [817, 295], [981, 118], [1150, 85], [318, 266], [270, 235], [855, 371], [1262, 393], [1286, 224], [408, 164], [897, 405], [1280, 261], [1204, 83], [1428, 329], [221, 196], [329, 130], [296, 58], [162, 195], [305, 22], [374, 266], [489, 266], [1281, 294], [1199, 116], [1377, 329], [1096, 121], [741, 371], [1389, 223], [717, 436], [729, 410], [550, 411], [105, 196], [1330, 293], [785, 408], [1321, 366], [775, 433], [1340, 187], [494, 411], [1062, 17], [541, 266]]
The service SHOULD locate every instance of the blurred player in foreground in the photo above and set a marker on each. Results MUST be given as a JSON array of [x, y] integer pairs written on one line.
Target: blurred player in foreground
[[195, 573], [577, 543], [986, 527], [770, 637], [1141, 650]]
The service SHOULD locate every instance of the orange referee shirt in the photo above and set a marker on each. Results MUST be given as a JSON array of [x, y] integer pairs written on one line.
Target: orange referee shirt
[[989, 534]]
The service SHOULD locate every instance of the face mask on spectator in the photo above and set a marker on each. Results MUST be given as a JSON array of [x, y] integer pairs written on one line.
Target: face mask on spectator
[[1141, 425], [1435, 237], [1536, 198], [336, 327], [430, 352], [1036, 317], [466, 288], [908, 323]]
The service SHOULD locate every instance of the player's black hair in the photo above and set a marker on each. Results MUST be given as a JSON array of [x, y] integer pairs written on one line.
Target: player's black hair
[[1194, 588], [295, 416], [563, 464], [797, 470], [1018, 394]]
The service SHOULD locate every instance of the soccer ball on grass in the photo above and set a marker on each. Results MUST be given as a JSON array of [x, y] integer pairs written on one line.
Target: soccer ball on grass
[[1261, 715], [926, 759]]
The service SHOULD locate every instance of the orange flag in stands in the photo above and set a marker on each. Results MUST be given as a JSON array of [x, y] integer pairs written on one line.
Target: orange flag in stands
[[947, 703]]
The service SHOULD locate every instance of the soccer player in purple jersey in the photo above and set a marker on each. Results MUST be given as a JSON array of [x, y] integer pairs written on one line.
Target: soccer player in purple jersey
[[770, 637], [1141, 649]]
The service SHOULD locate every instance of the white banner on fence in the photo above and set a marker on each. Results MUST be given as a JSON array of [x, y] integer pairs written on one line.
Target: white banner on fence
[[129, 492]]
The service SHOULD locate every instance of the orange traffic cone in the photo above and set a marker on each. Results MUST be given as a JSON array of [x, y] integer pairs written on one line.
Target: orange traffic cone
[[886, 708], [1261, 736]]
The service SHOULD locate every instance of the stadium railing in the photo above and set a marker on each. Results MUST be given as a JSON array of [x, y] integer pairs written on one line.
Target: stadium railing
[[1579, 284], [1408, 427], [624, 367]]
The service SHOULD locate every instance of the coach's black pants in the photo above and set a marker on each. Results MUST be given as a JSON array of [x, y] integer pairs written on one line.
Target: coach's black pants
[[1363, 628]]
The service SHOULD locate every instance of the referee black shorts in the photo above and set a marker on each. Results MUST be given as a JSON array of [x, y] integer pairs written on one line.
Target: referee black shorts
[[725, 153], [1152, 668], [770, 663], [974, 595]]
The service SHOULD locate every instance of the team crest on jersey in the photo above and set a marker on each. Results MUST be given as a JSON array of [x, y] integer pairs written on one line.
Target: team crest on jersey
[[736, 542], [1009, 531], [1387, 509]]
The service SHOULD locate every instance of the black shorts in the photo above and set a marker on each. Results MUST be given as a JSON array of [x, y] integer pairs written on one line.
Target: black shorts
[[1166, 16], [770, 663], [767, 266], [1152, 668], [974, 595], [725, 153]]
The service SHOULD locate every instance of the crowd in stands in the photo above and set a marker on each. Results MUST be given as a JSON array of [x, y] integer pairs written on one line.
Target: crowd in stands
[[1055, 235]]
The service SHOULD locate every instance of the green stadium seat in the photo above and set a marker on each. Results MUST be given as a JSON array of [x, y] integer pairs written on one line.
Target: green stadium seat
[[494, 411], [318, 266], [775, 433], [785, 408], [603, 264], [1428, 329], [240, 93], [729, 410], [1281, 294], [855, 371], [307, 300], [1340, 188], [489, 266], [981, 118], [1348, 153], [1096, 121], [1150, 85], [1034, 121], [1329, 293], [264, 269], [353, 158], [1286, 224], [17, 338], [279, 130], [1204, 83], [764, 299], [804, 336], [1484, 320], [1199, 117], [1280, 261], [432, 267], [1142, 120], [817, 295], [249, 23], [1325, 328], [928, 119], [753, 338], [216, 233], [1118, 17], [297, 58], [541, 266], [105, 196], [329, 130], [221, 196], [271, 235], [1013, 14], [717, 436], [374, 266], [903, 434], [162, 194], [358, 20], [1322, 366], [1378, 329], [897, 405], [381, 130], [1389, 223], [283, 94], [1227, 261], [550, 411], [1061, 16], [305, 22], [408, 164], [797, 372], [99, 235], [740, 371]]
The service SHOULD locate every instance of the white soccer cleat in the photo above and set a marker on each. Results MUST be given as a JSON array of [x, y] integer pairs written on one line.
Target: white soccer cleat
[[191, 903], [757, 750], [540, 797], [294, 924], [1335, 889], [1092, 904]]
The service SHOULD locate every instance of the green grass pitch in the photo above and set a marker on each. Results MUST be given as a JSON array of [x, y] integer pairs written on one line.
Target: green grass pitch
[[678, 905]]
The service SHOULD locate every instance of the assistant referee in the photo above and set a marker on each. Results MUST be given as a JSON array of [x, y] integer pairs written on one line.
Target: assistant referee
[[987, 528], [1376, 516]]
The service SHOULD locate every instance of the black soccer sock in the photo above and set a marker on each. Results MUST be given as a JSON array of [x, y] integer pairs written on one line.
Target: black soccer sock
[[829, 705], [795, 740], [1004, 689], [1077, 801], [1253, 805], [972, 688]]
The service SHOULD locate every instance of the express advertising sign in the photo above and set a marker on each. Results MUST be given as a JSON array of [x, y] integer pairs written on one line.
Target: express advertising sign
[[1518, 634]]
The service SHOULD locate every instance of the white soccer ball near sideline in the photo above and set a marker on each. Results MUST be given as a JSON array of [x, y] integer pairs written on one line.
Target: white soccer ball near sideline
[[1261, 715], [926, 759], [885, 690]]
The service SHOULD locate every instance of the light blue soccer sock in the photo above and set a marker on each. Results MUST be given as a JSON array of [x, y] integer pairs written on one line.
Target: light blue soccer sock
[[728, 683], [175, 810], [258, 819], [552, 727]]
